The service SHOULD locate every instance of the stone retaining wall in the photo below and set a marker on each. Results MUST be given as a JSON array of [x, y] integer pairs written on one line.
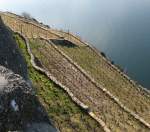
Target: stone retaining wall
[[105, 90], [51, 77], [92, 85]]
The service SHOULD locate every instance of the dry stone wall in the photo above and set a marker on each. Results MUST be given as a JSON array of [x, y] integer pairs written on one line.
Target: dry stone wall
[[20, 24], [84, 89], [113, 67], [113, 81], [76, 100]]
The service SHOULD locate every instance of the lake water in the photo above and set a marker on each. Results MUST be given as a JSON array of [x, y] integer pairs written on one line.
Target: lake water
[[120, 28]]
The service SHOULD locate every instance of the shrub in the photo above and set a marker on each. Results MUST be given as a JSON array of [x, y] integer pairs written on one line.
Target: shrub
[[26, 15], [103, 54]]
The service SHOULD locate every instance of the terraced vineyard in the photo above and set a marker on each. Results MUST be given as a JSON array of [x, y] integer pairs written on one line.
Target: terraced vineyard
[[67, 116], [82, 88], [117, 103], [111, 79]]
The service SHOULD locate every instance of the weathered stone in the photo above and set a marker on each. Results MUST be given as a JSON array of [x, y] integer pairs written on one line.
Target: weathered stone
[[18, 106]]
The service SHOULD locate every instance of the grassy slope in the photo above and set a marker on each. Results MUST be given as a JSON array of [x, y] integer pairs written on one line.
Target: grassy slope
[[110, 79], [67, 116], [113, 118]]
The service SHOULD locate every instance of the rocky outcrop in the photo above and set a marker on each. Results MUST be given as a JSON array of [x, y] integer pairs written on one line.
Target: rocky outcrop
[[20, 109]]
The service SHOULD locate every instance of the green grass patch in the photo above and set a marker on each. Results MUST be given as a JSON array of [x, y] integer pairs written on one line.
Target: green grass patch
[[67, 116]]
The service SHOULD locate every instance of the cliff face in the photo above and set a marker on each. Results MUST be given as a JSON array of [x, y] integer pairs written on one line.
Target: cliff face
[[10, 56], [20, 109]]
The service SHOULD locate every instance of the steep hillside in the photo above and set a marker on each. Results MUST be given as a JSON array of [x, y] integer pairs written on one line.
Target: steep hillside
[[67, 116], [81, 87], [60, 64], [20, 109], [114, 81]]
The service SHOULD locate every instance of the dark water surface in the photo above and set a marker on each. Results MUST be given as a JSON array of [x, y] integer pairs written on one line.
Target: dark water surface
[[120, 28]]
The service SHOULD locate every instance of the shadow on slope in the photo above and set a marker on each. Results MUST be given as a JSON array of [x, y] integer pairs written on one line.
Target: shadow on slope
[[64, 43], [10, 56]]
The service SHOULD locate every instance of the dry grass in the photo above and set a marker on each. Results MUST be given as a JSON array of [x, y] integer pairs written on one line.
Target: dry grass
[[110, 79], [67, 116], [115, 117]]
